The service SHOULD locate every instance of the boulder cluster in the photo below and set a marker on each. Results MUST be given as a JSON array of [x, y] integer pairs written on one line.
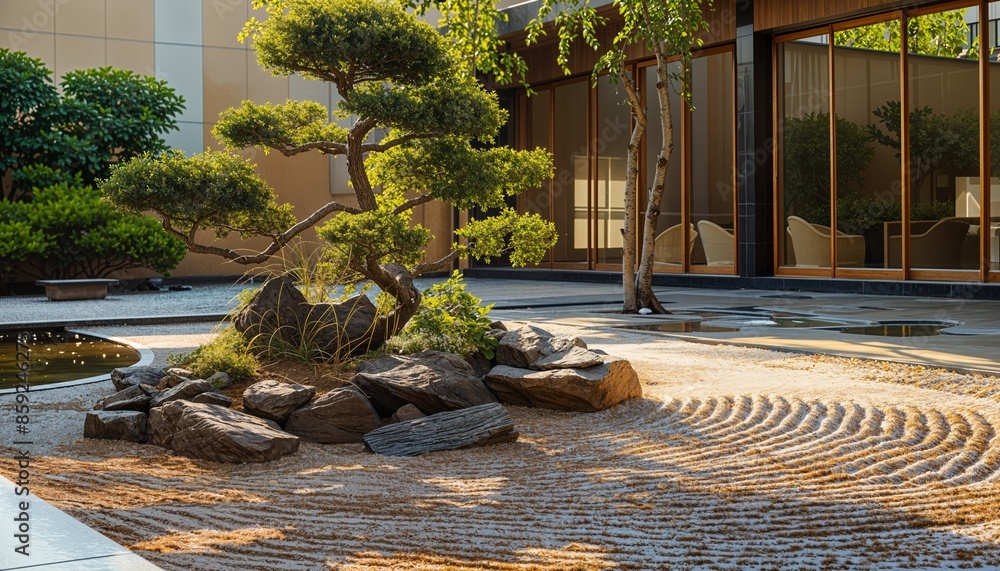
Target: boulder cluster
[[400, 405]]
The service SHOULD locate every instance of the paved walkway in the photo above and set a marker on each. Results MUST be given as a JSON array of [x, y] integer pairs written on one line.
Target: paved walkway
[[967, 339], [53, 541]]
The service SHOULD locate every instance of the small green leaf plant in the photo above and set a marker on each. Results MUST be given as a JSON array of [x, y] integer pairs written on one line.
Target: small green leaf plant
[[228, 352], [450, 319]]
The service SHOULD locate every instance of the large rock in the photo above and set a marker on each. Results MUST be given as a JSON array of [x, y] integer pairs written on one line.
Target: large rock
[[450, 430], [184, 391], [116, 425], [275, 400], [525, 346], [583, 390], [572, 358], [280, 310], [213, 398], [408, 412], [135, 397], [430, 380], [221, 380], [135, 375], [210, 432], [341, 415], [173, 378]]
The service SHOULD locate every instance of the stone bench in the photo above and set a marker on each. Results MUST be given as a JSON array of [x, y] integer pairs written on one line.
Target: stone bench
[[64, 290]]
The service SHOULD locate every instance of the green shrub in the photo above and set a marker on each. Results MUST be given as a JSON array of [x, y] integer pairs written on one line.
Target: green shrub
[[449, 319], [228, 351], [69, 231], [94, 119]]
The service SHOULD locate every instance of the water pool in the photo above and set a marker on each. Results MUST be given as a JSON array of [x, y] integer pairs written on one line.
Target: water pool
[[60, 357]]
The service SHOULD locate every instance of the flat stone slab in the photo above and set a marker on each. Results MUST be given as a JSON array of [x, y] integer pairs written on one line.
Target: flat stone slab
[[57, 542], [66, 290], [450, 430], [581, 390]]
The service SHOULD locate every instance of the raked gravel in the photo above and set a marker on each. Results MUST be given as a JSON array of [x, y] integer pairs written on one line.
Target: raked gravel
[[735, 458]]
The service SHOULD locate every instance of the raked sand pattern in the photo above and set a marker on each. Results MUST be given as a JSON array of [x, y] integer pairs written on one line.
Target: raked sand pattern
[[736, 459]]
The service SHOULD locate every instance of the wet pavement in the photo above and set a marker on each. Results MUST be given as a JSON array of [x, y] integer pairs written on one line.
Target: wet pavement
[[957, 334]]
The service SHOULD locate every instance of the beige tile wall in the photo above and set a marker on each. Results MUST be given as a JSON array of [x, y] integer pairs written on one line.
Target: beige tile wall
[[81, 18], [129, 20]]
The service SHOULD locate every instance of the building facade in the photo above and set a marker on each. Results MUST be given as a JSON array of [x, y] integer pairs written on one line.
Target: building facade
[[192, 44], [830, 146]]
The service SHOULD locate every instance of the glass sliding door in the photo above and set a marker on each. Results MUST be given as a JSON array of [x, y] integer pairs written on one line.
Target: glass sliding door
[[669, 250], [869, 184], [537, 118], [571, 200], [944, 143], [611, 149], [713, 191], [803, 132]]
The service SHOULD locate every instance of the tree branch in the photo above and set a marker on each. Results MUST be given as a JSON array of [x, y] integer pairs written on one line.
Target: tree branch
[[413, 203], [380, 147], [277, 242], [436, 266], [328, 147]]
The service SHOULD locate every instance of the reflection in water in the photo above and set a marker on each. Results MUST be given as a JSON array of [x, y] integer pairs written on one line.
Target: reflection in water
[[680, 327], [59, 356], [897, 330]]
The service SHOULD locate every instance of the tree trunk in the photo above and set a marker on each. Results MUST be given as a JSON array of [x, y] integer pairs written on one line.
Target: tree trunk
[[395, 280], [356, 164], [630, 302], [644, 279]]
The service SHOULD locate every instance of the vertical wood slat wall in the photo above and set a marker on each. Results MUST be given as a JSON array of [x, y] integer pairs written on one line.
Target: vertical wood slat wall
[[771, 14]]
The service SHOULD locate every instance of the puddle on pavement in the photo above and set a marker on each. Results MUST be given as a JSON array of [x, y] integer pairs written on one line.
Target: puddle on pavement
[[680, 327], [898, 330], [783, 321], [788, 296], [59, 356]]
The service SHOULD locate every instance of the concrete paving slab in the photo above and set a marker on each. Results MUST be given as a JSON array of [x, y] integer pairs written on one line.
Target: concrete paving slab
[[968, 341], [53, 541]]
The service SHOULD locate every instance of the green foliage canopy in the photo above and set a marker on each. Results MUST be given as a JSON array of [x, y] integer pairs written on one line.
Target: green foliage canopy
[[102, 117], [211, 190], [70, 231], [418, 123]]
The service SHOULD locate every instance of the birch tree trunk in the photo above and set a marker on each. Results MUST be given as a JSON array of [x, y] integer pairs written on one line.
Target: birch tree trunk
[[644, 279], [629, 229]]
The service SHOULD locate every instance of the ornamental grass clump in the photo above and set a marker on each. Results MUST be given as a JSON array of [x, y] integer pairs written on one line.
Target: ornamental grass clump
[[228, 352]]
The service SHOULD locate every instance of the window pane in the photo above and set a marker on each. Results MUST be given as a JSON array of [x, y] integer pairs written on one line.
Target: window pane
[[611, 144], [570, 189], [991, 192], [869, 184], [712, 191], [804, 153], [537, 200], [668, 229], [944, 144]]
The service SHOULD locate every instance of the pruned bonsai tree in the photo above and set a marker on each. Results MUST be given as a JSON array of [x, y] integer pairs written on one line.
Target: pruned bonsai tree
[[419, 126]]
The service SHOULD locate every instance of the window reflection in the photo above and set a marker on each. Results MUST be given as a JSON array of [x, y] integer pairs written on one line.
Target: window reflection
[[944, 143]]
